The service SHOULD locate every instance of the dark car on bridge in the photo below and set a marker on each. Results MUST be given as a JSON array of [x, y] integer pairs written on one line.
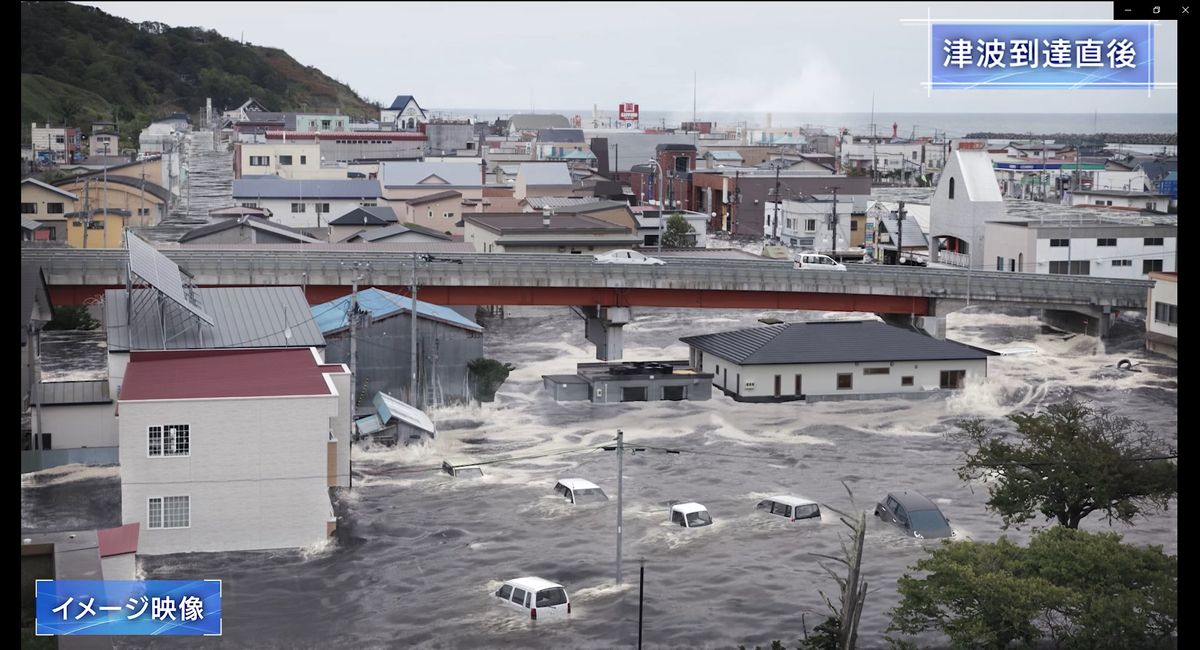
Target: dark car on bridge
[[915, 514]]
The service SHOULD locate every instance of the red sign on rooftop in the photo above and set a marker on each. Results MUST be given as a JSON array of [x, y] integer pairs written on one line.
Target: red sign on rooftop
[[628, 112]]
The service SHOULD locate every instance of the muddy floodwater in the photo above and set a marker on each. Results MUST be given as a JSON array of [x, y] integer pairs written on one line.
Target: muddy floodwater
[[419, 553]]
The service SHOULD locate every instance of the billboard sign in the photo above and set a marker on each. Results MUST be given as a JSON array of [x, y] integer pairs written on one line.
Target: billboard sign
[[628, 112]]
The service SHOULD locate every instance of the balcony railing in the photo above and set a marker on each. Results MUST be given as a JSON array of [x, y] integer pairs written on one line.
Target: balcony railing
[[954, 259]]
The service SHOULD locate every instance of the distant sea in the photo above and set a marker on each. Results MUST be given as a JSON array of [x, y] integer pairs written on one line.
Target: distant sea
[[953, 124]]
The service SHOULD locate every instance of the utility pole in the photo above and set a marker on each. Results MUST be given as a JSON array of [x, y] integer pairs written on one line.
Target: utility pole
[[620, 487], [414, 396], [900, 234], [87, 212], [834, 222], [357, 275], [641, 593], [778, 199]]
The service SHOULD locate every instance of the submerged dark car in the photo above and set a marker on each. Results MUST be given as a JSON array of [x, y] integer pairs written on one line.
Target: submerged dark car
[[915, 514]]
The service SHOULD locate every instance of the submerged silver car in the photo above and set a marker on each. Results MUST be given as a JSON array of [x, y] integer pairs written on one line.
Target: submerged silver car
[[915, 514]]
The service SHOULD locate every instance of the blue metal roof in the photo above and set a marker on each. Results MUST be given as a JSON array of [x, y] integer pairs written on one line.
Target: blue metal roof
[[332, 316]]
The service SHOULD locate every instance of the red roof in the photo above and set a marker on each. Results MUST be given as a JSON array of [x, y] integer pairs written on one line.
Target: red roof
[[200, 374], [119, 540]]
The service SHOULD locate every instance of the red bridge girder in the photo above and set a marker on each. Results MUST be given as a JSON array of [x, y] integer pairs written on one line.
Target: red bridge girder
[[610, 297]]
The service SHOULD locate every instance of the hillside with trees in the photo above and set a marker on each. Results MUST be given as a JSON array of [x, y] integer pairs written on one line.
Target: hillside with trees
[[80, 64]]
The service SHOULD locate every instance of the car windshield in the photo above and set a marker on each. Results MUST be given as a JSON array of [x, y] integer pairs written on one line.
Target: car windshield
[[551, 597], [927, 520], [698, 519], [590, 495]]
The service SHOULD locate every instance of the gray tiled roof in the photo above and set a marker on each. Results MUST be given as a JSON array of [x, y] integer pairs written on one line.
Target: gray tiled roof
[[592, 206], [829, 342], [531, 222], [245, 317], [378, 234], [273, 187], [72, 392], [436, 196], [529, 122], [545, 174], [560, 135], [250, 222], [369, 216]]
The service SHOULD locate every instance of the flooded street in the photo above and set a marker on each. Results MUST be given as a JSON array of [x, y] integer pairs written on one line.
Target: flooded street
[[207, 184], [419, 553]]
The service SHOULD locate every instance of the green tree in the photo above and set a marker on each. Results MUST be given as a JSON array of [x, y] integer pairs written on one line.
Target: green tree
[[487, 375], [678, 233], [68, 109], [1078, 589], [1069, 462], [72, 317]]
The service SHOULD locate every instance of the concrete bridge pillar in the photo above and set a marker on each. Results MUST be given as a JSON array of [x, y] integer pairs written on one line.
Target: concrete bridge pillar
[[604, 327], [934, 326], [1093, 324]]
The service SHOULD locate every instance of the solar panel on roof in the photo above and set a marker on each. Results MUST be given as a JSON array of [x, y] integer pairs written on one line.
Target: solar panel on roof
[[162, 274]]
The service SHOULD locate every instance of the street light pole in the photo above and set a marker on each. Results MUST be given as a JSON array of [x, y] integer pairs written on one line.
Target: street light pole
[[620, 494]]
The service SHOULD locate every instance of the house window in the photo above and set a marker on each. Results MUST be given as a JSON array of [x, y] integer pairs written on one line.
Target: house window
[[303, 160], [58, 139], [169, 512], [1071, 268], [260, 161], [1152, 241], [143, 212], [28, 208], [853, 226], [1122, 262], [810, 225], [1152, 266], [285, 160], [54, 208], [845, 381], [877, 371], [322, 208], [951, 187], [674, 393], [1099, 202], [169, 440], [906, 381], [448, 215], [325, 124], [1151, 206], [1164, 313], [999, 263], [953, 378], [367, 204], [1106, 242], [799, 385], [1060, 243], [297, 207], [250, 204], [778, 385]]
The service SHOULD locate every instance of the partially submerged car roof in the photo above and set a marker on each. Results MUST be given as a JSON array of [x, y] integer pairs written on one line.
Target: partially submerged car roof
[[577, 484], [913, 501], [792, 501], [533, 583], [689, 507]]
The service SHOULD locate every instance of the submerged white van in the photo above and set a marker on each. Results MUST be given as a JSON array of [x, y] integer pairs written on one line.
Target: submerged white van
[[577, 490], [690, 515], [542, 599]]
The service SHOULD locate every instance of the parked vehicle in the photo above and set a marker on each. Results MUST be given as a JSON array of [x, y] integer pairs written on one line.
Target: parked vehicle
[[541, 598], [790, 508], [818, 262], [690, 515], [915, 514], [626, 256], [577, 490]]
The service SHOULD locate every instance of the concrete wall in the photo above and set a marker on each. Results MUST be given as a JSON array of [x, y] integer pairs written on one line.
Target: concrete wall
[[1167, 292], [334, 150], [448, 138], [256, 473], [306, 158], [384, 355], [281, 210], [80, 425], [695, 390], [1012, 242], [39, 459], [433, 214], [758, 382]]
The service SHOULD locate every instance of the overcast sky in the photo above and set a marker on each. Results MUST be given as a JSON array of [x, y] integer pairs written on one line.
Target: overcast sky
[[794, 57]]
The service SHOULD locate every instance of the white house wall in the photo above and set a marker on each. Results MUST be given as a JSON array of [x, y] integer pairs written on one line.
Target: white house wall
[[1101, 257], [821, 378], [256, 474], [281, 210], [1164, 291], [80, 425], [341, 429]]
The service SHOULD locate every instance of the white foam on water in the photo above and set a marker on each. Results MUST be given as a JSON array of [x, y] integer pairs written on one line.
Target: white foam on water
[[68, 473], [600, 591]]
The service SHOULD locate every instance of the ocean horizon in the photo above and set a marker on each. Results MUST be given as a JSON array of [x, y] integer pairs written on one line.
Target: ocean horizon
[[907, 124]]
